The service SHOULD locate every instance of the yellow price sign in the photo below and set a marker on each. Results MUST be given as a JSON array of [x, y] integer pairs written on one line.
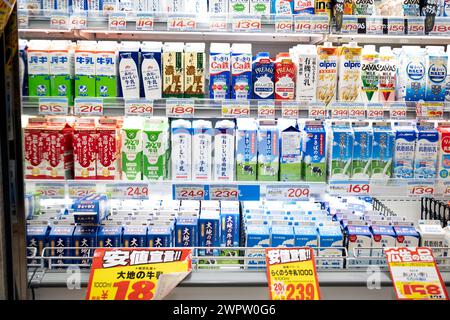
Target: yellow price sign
[[291, 274], [137, 273]]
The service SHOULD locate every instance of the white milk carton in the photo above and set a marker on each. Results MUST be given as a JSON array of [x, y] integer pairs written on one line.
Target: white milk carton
[[425, 160], [404, 151], [129, 70], [132, 148], [358, 242], [202, 147], [38, 68], [306, 60], [224, 138], [383, 236], [151, 53], [181, 150], [219, 71], [432, 235]]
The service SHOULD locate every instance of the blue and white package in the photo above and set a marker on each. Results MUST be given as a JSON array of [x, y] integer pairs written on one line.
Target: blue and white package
[[219, 71], [241, 71], [109, 236], [411, 8], [358, 242], [263, 76], [383, 236], [331, 242], [282, 236], [257, 236], [37, 238], [340, 161], [159, 236], [151, 70], [282, 7], [186, 229], [268, 151], [209, 233], [303, 7], [404, 151], [59, 238], [414, 67], [406, 235], [246, 149], [382, 151], [362, 152], [84, 237], [436, 64], [306, 235], [129, 70], [91, 209], [134, 236], [229, 230], [425, 160]]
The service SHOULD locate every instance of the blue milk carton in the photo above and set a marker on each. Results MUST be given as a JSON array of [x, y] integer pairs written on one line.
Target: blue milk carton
[[130, 87], [362, 151], [91, 209], [425, 160], [290, 150], [159, 236], [186, 229], [246, 150], [306, 235], [37, 234], [383, 236], [414, 67], [404, 151], [209, 235], [230, 222], [134, 236], [436, 76], [257, 236], [341, 156], [314, 152], [151, 69], [241, 71], [282, 236], [358, 236], [59, 238], [110, 236], [382, 151], [263, 76], [84, 237], [219, 71], [268, 151], [406, 234], [331, 242]]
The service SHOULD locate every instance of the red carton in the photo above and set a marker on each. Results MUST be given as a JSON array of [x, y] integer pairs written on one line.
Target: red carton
[[85, 148], [58, 148], [108, 149], [35, 156]]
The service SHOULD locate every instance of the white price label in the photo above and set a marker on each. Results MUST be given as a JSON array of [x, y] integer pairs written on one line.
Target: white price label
[[398, 111], [117, 21], [430, 110], [287, 193], [139, 108], [189, 192], [375, 111], [22, 19], [246, 23], [236, 109], [320, 24], [218, 23], [224, 192], [418, 189], [289, 110], [283, 23], [396, 26], [78, 190], [181, 23], [349, 25], [416, 26], [302, 24], [51, 190], [88, 107], [144, 22], [180, 108], [441, 26], [339, 110], [266, 109], [53, 106], [317, 110], [128, 190], [357, 111], [357, 188], [59, 21], [78, 21], [374, 25]]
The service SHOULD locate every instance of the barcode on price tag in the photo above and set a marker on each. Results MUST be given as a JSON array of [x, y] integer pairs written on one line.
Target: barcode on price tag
[[339, 110], [117, 21], [59, 21], [375, 111], [53, 106], [139, 108], [180, 108], [349, 25], [190, 192], [317, 110], [181, 23], [128, 190], [320, 24], [224, 192], [416, 26], [287, 193], [398, 111], [430, 110], [144, 22], [78, 190], [283, 23], [236, 109], [374, 25], [289, 109], [420, 189], [396, 26], [88, 107], [22, 19], [78, 21], [266, 109], [246, 23], [441, 26], [302, 24], [357, 188], [56, 190], [218, 23]]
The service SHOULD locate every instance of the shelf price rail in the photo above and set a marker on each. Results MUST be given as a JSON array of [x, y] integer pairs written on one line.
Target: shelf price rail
[[434, 209]]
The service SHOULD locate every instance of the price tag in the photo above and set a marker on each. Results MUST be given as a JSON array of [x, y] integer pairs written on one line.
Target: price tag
[[78, 190], [78, 21], [283, 23], [441, 26], [144, 22], [430, 110], [246, 23], [396, 26], [374, 25], [288, 193], [302, 24], [319, 24], [235, 109], [22, 19], [266, 109], [444, 189], [129, 190], [168, 268], [117, 21], [190, 192], [88, 107], [291, 274], [339, 110], [420, 189], [357, 111], [375, 111], [59, 21], [181, 23], [53, 106], [139, 108], [56, 190], [224, 192], [414, 274], [416, 26], [356, 188], [289, 109], [218, 23], [180, 108], [349, 25], [317, 110], [398, 111]]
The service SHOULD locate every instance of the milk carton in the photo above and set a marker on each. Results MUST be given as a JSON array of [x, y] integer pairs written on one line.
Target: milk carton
[[257, 236], [38, 64], [282, 7], [61, 69], [194, 70], [108, 150], [130, 87], [241, 71], [263, 76], [59, 238], [218, 6], [202, 145], [382, 151], [425, 159], [362, 151], [181, 150], [285, 76], [209, 234], [306, 235], [330, 243], [219, 71], [411, 8], [173, 70], [109, 236], [260, 7], [444, 151], [246, 150], [349, 72], [387, 75], [159, 237], [358, 236], [84, 237], [151, 69], [370, 72], [314, 152], [229, 230], [34, 149], [383, 236], [304, 7], [436, 68], [186, 230], [341, 154], [85, 148], [58, 137], [290, 150], [37, 238], [132, 148], [106, 70], [432, 235], [239, 6], [306, 60], [155, 148], [406, 234], [268, 151], [327, 73], [224, 138], [135, 236], [85, 69], [282, 236], [91, 209], [404, 151], [412, 74]]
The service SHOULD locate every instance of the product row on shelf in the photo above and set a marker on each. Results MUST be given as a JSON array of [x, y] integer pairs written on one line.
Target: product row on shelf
[[337, 228], [153, 70]]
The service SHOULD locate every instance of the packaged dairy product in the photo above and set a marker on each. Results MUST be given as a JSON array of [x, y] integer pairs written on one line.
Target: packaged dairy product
[[349, 72], [370, 68], [61, 69], [314, 152], [282, 7], [159, 236], [106, 69], [260, 7], [155, 146], [327, 72], [411, 7], [303, 7], [382, 151], [131, 147], [91, 209], [362, 151], [239, 6], [38, 64], [173, 70], [285, 75], [290, 150], [59, 238], [306, 235], [363, 7], [432, 235], [151, 69], [219, 71], [58, 137], [35, 153], [282, 236], [444, 151], [186, 230], [358, 241], [110, 236], [246, 149], [172, 6], [108, 149], [268, 151], [387, 75], [209, 234], [383, 236], [411, 77], [181, 139], [229, 229], [194, 70], [85, 69], [256, 236], [241, 71], [85, 149], [224, 150], [134, 236], [130, 87], [37, 234], [331, 242], [406, 234], [404, 151], [202, 133], [306, 61], [84, 237], [425, 160], [263, 76], [341, 155], [436, 73], [218, 6]]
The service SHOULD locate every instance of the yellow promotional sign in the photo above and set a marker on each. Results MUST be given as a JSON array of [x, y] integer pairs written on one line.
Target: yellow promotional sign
[[137, 273], [291, 274], [414, 274]]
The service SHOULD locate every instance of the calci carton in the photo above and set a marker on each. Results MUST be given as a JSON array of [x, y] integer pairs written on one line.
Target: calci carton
[[85, 146], [108, 149], [35, 154], [58, 149]]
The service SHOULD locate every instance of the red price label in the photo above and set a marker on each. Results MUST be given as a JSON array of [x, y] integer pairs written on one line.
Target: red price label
[[350, 26], [78, 191], [140, 290], [266, 110], [374, 26], [218, 24], [441, 26], [136, 192], [247, 24], [283, 24], [359, 189], [319, 26], [339, 111], [416, 26], [144, 22], [117, 21], [430, 110], [53, 191], [53, 106], [59, 21], [420, 190], [235, 109], [179, 108], [181, 23], [139, 108], [128, 190], [88, 107], [78, 22], [286, 193]]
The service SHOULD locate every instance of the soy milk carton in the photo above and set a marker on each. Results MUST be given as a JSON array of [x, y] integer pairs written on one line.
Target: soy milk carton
[[218, 6], [130, 87], [425, 160], [306, 60], [444, 151], [202, 133], [85, 69], [131, 159], [38, 64], [194, 70], [224, 139], [106, 70], [85, 148], [219, 71], [151, 69], [61, 69], [181, 139], [268, 151], [404, 151], [108, 150], [173, 70], [263, 76], [246, 150]]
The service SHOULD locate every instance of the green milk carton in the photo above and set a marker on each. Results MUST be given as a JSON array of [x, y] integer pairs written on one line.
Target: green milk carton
[[61, 69], [85, 69], [38, 64], [106, 69], [155, 139], [132, 148], [314, 152]]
